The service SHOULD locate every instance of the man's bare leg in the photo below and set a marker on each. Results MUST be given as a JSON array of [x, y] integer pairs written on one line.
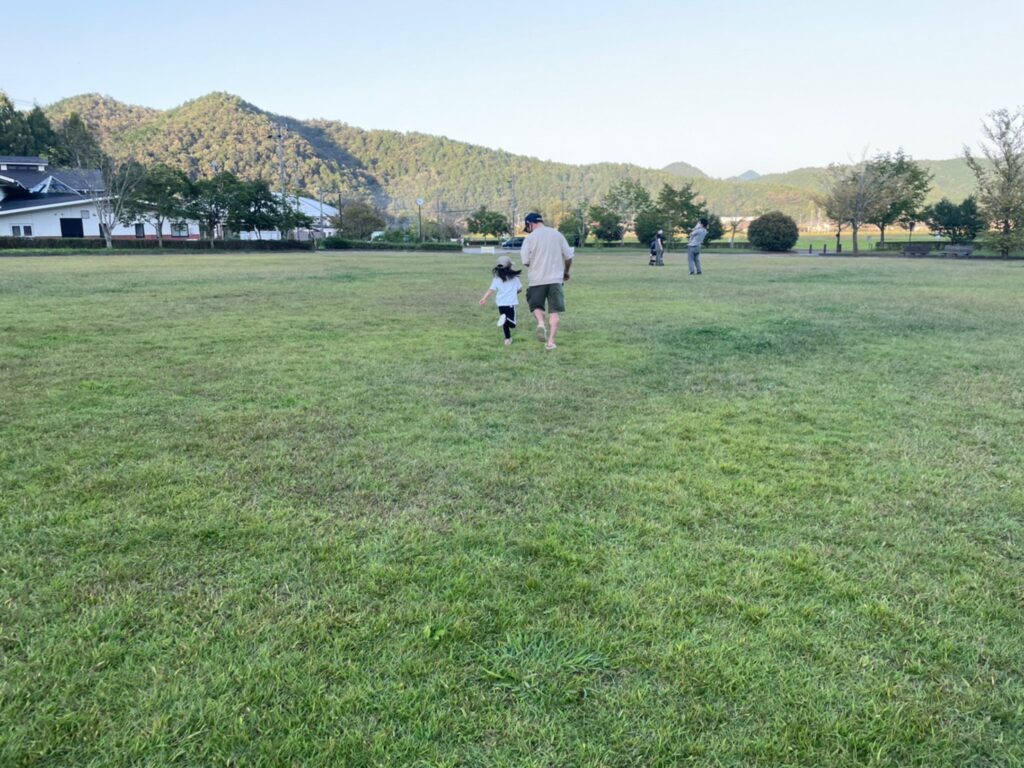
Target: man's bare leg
[[541, 328], [552, 328]]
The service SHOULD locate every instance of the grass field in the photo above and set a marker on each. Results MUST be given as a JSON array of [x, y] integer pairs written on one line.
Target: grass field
[[308, 510]]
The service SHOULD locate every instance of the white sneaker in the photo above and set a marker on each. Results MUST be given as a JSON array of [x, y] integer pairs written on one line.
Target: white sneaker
[[501, 320]]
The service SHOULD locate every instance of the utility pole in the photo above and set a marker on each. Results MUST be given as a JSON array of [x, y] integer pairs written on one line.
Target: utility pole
[[512, 190], [439, 236], [278, 134], [565, 184]]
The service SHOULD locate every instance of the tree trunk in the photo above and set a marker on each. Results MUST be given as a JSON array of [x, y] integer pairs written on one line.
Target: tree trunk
[[881, 236], [160, 232], [856, 251]]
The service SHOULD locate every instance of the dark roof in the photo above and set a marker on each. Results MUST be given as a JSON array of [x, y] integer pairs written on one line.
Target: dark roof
[[78, 179], [81, 179], [15, 160], [26, 179], [40, 201]]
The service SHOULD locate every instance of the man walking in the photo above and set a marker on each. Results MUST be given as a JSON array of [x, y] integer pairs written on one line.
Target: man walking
[[548, 258], [697, 235]]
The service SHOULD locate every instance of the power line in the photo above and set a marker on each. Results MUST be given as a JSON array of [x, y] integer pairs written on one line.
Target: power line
[[16, 101]]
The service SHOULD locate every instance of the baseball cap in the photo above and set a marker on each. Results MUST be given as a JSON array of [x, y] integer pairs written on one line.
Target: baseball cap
[[504, 261], [534, 218]]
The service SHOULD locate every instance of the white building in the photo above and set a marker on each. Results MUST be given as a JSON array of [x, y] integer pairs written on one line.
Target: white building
[[320, 212], [36, 201]]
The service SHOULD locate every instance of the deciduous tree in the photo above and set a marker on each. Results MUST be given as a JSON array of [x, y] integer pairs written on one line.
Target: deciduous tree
[[120, 180], [858, 193], [253, 207], [627, 198], [907, 185], [679, 207], [210, 201], [605, 223], [161, 196], [574, 226], [486, 222], [358, 219], [1001, 181]]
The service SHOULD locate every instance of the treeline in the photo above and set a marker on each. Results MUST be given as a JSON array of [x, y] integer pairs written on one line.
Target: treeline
[[32, 135], [390, 169]]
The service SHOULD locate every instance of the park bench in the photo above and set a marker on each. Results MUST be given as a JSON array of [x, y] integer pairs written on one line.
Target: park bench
[[958, 251], [916, 249]]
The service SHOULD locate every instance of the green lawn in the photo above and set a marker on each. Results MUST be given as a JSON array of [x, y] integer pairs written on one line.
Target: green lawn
[[308, 510]]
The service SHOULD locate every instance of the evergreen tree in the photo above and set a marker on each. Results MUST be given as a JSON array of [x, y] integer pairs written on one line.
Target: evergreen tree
[[42, 138], [959, 223], [14, 134], [78, 147]]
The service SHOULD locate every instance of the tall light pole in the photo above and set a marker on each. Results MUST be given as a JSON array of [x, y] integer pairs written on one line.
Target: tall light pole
[[419, 215]]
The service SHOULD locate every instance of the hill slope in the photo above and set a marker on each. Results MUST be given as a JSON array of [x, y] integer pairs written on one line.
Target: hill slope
[[220, 131]]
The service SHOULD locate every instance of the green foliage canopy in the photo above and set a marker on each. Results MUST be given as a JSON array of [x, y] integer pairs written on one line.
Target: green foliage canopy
[[960, 223], [606, 224], [358, 220], [1000, 181], [773, 231], [486, 222]]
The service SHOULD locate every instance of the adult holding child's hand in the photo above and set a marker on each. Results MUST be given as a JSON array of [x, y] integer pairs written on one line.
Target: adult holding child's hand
[[548, 257]]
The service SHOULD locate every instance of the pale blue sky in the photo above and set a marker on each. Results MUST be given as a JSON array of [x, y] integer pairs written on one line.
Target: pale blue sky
[[726, 85]]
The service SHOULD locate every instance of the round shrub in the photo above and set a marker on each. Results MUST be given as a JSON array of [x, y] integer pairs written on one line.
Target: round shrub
[[773, 231]]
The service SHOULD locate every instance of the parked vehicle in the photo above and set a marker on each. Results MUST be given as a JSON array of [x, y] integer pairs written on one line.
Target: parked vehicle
[[513, 242]]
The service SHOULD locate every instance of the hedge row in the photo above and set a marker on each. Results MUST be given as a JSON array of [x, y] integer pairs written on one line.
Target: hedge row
[[341, 244], [97, 243]]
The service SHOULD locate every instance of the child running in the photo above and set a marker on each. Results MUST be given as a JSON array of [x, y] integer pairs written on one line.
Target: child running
[[506, 288]]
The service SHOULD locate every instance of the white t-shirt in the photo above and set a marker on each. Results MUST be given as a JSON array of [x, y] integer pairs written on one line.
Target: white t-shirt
[[545, 251], [506, 292]]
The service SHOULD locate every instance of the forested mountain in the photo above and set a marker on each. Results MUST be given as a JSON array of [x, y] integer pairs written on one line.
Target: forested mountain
[[223, 132], [685, 170]]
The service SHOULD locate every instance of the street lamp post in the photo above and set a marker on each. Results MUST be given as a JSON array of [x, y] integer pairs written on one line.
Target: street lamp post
[[419, 217]]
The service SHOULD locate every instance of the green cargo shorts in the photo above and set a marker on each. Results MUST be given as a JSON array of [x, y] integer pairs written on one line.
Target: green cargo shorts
[[552, 293]]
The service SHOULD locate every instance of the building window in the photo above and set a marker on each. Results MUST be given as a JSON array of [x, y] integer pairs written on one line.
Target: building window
[[179, 229], [15, 230], [85, 214], [26, 231], [140, 231]]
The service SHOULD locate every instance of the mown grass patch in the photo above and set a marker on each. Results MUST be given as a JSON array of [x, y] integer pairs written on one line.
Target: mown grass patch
[[308, 509]]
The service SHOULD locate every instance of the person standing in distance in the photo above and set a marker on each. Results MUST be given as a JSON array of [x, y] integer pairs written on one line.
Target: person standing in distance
[[548, 258], [697, 235], [658, 249]]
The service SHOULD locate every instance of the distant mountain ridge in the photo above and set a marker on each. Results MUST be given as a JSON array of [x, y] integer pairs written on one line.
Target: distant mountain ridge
[[221, 131], [685, 170]]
